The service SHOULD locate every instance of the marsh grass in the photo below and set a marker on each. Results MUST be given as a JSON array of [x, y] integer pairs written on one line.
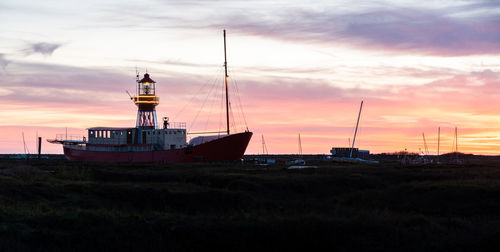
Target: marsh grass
[[55, 205]]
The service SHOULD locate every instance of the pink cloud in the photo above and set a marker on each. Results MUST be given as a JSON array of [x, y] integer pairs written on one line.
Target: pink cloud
[[444, 31]]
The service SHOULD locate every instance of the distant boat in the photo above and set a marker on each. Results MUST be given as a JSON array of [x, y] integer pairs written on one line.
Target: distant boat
[[299, 160], [148, 143], [352, 150], [299, 163]]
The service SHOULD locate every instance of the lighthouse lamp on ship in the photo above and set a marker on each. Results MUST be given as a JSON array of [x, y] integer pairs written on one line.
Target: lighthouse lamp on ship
[[146, 101]]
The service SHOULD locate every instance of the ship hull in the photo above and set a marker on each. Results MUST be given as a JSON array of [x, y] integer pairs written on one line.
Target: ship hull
[[228, 148]]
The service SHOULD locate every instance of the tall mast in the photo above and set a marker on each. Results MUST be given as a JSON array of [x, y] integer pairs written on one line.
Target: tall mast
[[264, 146], [356, 131], [439, 139], [300, 147], [425, 145], [225, 76], [456, 145]]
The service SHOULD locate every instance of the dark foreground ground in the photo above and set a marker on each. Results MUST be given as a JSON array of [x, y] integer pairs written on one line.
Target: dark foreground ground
[[54, 205]]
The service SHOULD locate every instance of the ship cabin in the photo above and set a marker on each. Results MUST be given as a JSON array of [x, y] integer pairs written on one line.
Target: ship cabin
[[135, 139]]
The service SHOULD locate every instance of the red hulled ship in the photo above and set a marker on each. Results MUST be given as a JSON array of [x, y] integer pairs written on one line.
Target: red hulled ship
[[146, 142]]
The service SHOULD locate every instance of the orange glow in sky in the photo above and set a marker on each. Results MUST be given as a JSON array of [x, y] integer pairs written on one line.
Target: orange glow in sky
[[293, 68]]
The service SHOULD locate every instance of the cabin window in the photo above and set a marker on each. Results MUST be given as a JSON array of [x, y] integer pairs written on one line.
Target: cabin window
[[172, 146], [129, 137]]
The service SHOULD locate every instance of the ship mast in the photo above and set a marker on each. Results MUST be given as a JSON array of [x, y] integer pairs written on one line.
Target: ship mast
[[225, 75], [356, 131]]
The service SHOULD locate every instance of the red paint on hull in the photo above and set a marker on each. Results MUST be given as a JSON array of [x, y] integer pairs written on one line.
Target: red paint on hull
[[229, 148]]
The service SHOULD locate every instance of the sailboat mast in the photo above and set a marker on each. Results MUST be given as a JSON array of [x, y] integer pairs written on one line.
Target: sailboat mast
[[263, 146], [225, 76], [300, 147], [356, 131], [439, 139]]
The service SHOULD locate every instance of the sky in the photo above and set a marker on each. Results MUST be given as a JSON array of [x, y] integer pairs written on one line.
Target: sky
[[295, 67]]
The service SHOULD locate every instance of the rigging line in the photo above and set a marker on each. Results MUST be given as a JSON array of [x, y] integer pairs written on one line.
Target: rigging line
[[232, 117], [202, 106], [196, 94], [238, 106], [209, 113], [233, 93], [239, 101]]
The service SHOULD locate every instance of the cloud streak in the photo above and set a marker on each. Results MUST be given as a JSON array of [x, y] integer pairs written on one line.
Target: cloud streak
[[470, 28], [43, 48], [410, 30], [3, 61]]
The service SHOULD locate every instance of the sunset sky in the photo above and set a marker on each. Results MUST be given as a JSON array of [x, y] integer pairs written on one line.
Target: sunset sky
[[298, 67]]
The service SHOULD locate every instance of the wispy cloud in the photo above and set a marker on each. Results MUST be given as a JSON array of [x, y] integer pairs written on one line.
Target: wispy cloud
[[411, 30], [3, 61], [453, 29], [42, 48]]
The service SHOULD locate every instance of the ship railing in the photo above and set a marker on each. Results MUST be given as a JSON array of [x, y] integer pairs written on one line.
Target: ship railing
[[175, 125], [126, 148], [70, 138]]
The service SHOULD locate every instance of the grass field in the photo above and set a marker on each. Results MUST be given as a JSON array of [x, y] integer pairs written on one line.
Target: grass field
[[55, 205]]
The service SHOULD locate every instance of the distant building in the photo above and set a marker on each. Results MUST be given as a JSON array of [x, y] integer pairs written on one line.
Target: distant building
[[346, 151]]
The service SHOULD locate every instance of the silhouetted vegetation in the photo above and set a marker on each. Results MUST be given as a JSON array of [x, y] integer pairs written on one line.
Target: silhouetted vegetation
[[55, 205]]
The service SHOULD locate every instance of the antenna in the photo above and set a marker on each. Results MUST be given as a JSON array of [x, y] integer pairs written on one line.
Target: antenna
[[136, 80], [131, 98], [356, 131]]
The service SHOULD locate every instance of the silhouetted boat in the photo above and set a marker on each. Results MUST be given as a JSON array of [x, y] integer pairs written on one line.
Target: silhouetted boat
[[148, 143]]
